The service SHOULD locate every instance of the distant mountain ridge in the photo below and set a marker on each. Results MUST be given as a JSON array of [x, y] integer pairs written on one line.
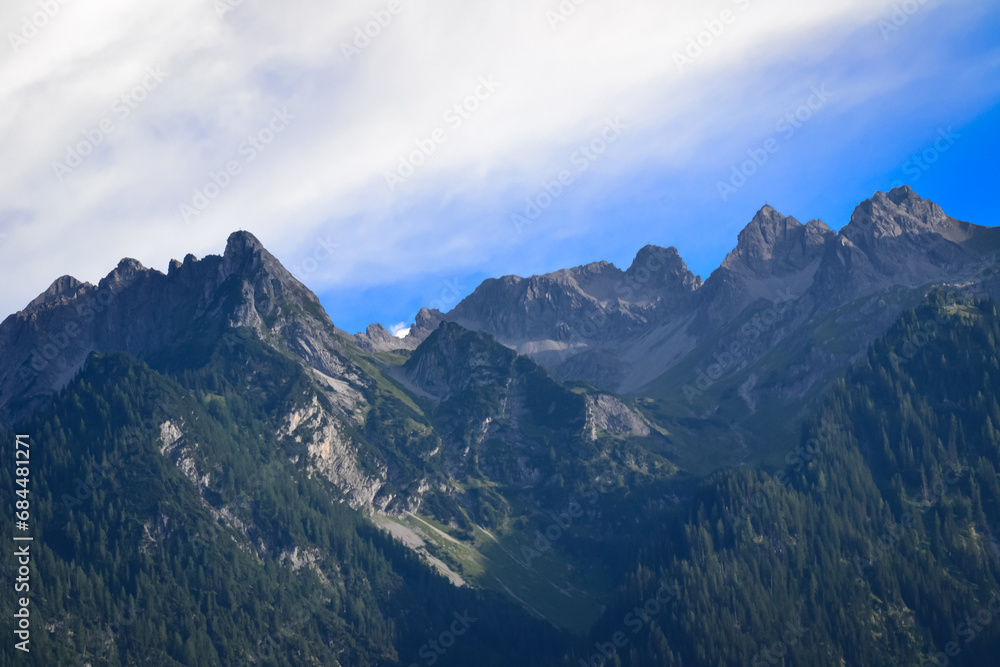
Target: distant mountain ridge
[[529, 443], [143, 311], [621, 330], [650, 330], [462, 430]]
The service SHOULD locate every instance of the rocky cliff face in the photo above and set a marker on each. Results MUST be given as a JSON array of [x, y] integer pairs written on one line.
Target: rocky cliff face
[[608, 414], [143, 312], [775, 256], [622, 330], [332, 453], [243, 295], [788, 307], [377, 338], [899, 239], [245, 303]]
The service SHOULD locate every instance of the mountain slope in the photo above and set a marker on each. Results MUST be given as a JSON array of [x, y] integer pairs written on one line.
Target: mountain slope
[[873, 542], [790, 308], [142, 311], [254, 432], [171, 526], [629, 328], [463, 432]]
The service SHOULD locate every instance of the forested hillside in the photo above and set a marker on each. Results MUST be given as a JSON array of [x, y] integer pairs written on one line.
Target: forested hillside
[[172, 528], [874, 545], [225, 495]]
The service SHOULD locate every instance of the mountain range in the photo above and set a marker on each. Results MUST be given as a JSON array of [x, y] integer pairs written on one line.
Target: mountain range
[[536, 454]]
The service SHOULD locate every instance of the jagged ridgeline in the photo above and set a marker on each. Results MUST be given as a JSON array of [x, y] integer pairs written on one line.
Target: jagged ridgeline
[[218, 468], [873, 544], [462, 447], [173, 528]]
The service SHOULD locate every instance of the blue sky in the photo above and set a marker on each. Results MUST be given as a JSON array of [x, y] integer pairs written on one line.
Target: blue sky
[[185, 86], [838, 158]]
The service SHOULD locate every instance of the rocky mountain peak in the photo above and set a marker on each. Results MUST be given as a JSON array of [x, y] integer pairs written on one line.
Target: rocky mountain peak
[[266, 281], [663, 269], [65, 287], [898, 213], [377, 338], [669, 255], [245, 254], [453, 357], [124, 274], [144, 312], [818, 227], [775, 244], [243, 241], [767, 234]]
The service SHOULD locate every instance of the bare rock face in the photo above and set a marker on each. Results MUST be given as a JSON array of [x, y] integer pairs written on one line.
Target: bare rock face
[[899, 239], [823, 297], [608, 414], [901, 212], [776, 245], [455, 359], [588, 310], [621, 330], [174, 445], [332, 453], [62, 290], [580, 307], [377, 338], [142, 311], [775, 256]]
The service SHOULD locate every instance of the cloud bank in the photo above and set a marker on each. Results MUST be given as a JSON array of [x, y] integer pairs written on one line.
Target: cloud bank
[[380, 142]]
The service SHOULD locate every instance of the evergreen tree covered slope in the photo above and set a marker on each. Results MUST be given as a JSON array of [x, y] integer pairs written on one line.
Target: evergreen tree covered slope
[[172, 526], [874, 545]]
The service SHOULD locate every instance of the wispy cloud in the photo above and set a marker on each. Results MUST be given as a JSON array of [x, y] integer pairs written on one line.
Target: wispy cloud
[[325, 176]]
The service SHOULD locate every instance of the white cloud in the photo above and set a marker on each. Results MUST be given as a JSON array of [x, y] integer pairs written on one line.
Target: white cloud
[[325, 173], [400, 330]]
